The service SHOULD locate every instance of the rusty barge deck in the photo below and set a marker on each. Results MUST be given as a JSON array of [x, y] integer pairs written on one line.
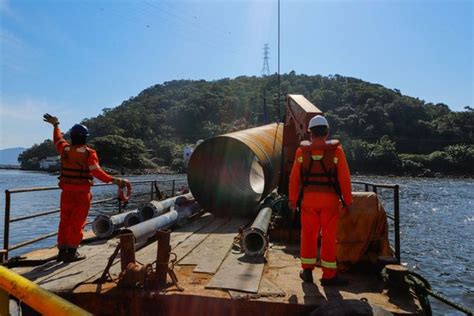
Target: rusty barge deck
[[216, 278]]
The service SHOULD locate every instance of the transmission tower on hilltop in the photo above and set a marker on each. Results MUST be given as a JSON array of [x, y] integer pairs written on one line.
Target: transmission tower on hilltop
[[266, 67]]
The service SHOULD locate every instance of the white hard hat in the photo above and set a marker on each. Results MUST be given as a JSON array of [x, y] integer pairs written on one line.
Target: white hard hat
[[318, 120]]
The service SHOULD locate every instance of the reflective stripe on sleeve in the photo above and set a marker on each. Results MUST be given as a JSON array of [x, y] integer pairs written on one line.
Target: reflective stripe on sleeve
[[328, 264], [93, 167], [308, 260], [300, 159], [336, 160]]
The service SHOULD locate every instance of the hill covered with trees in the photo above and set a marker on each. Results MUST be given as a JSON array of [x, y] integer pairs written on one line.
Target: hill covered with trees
[[382, 130]]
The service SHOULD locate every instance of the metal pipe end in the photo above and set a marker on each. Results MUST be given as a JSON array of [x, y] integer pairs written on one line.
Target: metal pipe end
[[226, 176], [132, 219], [147, 212], [102, 226], [254, 242]]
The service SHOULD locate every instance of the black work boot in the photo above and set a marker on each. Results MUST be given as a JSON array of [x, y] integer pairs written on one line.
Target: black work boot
[[336, 281], [307, 275], [72, 255], [61, 254]]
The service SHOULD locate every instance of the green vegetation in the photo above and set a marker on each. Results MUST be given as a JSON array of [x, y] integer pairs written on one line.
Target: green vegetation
[[382, 130], [120, 152], [31, 157]]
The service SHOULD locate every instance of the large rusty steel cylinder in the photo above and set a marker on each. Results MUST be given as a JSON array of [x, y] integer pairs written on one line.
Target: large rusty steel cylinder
[[231, 173]]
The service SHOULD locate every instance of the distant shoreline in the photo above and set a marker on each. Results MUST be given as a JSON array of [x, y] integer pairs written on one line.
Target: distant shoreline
[[167, 171], [10, 167]]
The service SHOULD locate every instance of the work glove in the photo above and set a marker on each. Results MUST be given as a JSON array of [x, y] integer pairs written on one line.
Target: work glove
[[120, 182], [53, 120]]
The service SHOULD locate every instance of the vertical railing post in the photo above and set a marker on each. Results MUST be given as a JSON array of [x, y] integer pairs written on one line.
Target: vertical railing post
[[396, 215], [151, 190], [120, 206], [172, 188], [366, 185], [374, 189], [6, 227]]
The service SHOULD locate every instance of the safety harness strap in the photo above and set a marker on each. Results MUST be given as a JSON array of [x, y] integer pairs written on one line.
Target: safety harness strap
[[331, 175], [335, 184]]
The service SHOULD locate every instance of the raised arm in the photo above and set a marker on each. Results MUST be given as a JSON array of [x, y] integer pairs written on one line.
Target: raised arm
[[58, 139]]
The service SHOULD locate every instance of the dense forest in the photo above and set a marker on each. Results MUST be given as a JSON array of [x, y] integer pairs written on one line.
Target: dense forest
[[382, 130]]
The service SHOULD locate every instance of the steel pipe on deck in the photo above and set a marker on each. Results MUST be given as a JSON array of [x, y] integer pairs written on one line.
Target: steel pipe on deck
[[143, 231], [104, 226], [230, 174], [186, 210], [255, 238], [156, 208]]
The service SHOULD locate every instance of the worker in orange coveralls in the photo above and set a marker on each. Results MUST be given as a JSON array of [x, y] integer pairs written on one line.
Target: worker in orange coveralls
[[79, 164], [320, 181]]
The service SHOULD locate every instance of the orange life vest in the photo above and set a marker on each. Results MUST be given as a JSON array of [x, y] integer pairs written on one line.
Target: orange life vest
[[74, 166], [319, 167]]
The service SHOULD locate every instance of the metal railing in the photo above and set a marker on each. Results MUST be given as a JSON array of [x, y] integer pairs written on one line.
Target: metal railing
[[368, 186], [154, 192]]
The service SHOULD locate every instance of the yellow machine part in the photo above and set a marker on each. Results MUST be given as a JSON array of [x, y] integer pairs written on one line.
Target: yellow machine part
[[34, 296]]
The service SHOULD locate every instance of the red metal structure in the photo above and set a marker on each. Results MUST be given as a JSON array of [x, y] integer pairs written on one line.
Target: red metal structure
[[299, 111]]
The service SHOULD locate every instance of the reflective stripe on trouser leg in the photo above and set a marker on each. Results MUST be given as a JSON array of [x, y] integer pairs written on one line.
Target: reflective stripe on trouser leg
[[329, 219], [309, 236], [329, 265], [309, 261]]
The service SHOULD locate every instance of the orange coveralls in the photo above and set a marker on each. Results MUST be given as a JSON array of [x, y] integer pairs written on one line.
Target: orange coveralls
[[75, 195], [320, 207]]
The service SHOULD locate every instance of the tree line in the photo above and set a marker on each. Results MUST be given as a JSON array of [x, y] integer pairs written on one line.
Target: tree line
[[382, 130]]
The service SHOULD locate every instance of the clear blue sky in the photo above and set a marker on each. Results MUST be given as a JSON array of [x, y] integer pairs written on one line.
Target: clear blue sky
[[74, 58]]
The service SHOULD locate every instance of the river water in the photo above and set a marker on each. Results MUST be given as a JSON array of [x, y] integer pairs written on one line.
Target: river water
[[437, 224]]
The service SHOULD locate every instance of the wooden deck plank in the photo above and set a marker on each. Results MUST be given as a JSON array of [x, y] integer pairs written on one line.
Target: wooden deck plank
[[60, 277], [209, 255], [197, 238], [69, 278], [53, 268], [238, 272]]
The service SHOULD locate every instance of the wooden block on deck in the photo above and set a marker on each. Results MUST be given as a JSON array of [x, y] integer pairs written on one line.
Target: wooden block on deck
[[209, 255], [238, 272]]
